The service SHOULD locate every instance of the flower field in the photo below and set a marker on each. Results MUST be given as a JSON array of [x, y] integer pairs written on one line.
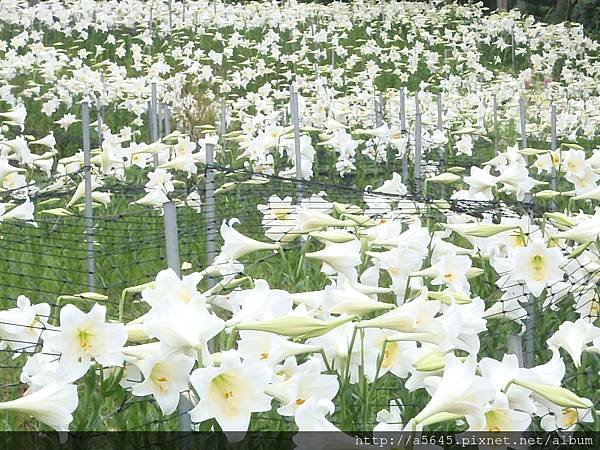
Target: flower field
[[367, 217]]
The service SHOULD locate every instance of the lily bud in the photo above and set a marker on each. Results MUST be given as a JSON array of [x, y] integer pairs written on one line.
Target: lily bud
[[448, 296], [363, 221], [351, 301], [547, 194], [444, 178], [311, 220], [60, 212], [560, 219], [337, 236], [440, 417], [225, 187], [136, 333], [430, 362], [299, 327], [346, 208], [478, 230], [474, 272], [556, 394], [594, 194]]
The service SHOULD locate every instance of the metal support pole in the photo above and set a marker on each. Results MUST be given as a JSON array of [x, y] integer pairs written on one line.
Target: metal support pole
[[523, 120], [515, 347], [223, 126], [418, 152], [553, 148], [209, 201], [440, 112], [440, 127], [89, 212], [172, 247], [170, 15], [512, 45], [379, 110], [98, 122], [530, 319], [171, 239], [403, 130], [150, 30], [167, 115], [495, 106], [153, 119], [528, 357], [296, 124]]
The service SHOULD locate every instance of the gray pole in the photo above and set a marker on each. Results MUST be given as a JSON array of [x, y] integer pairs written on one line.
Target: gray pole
[[153, 119], [512, 45], [515, 347], [171, 239], [378, 110], [99, 121], [167, 115], [89, 212], [170, 15], [172, 247], [150, 19], [161, 117], [209, 201], [495, 106], [523, 116], [440, 127], [418, 155], [296, 124], [528, 357], [553, 144], [223, 127], [440, 112], [403, 130], [553, 147], [530, 319]]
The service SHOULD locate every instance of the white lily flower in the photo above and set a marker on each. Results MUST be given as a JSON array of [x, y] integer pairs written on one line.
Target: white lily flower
[[236, 245], [52, 405], [86, 336], [459, 391], [574, 337], [538, 266], [165, 377], [231, 393]]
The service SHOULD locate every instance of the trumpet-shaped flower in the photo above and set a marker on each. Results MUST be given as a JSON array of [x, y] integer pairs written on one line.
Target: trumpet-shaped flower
[[183, 326], [86, 336], [481, 181], [307, 382], [451, 270], [538, 266], [169, 288], [236, 245], [459, 391], [21, 327], [499, 416], [269, 347], [52, 405], [165, 377], [259, 303], [231, 393], [342, 258], [574, 337]]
